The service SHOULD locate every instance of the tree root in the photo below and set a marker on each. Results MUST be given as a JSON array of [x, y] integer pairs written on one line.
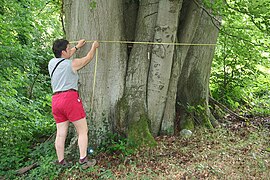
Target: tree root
[[221, 106]]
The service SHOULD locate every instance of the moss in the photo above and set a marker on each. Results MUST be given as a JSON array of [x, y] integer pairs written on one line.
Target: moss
[[121, 114], [138, 131], [139, 134], [187, 122], [205, 116], [206, 121], [199, 114], [123, 104]]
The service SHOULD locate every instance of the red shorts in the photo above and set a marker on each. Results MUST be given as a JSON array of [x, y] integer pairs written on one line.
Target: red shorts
[[67, 106]]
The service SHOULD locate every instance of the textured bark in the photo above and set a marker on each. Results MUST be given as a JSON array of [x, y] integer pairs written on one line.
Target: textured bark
[[189, 20], [142, 87], [193, 86], [161, 61], [103, 22], [138, 68]]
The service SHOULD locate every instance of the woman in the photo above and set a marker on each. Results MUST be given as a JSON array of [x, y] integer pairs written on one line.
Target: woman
[[66, 104]]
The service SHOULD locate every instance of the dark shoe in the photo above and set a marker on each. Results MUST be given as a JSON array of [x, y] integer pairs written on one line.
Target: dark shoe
[[85, 163], [63, 163]]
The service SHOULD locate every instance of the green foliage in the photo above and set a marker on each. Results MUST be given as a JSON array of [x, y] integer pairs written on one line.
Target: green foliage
[[243, 49], [256, 96], [257, 12], [93, 5], [44, 155], [26, 31], [23, 121], [115, 144], [195, 109]]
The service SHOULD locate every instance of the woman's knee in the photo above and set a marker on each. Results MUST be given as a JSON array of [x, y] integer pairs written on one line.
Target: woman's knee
[[81, 126], [82, 131], [61, 134]]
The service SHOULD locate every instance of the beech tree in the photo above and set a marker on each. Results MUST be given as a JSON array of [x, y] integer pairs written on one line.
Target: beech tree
[[144, 90]]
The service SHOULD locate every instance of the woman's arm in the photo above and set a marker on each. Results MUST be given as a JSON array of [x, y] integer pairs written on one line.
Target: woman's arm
[[81, 62], [80, 44]]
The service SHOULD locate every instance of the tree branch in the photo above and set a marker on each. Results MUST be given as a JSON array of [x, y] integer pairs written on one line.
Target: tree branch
[[246, 13], [209, 14], [30, 95], [227, 109], [213, 18], [26, 169]]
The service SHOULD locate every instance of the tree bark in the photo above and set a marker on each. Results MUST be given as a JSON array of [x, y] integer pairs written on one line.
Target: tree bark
[[144, 90], [135, 109], [105, 22], [161, 62], [193, 85]]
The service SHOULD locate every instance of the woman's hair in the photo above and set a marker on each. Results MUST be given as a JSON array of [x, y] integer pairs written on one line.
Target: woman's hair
[[59, 45]]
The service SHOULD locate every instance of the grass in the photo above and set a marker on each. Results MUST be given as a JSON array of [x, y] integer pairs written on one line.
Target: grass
[[236, 150]]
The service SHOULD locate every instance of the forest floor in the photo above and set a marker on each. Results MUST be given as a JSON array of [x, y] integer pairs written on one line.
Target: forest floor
[[235, 150]]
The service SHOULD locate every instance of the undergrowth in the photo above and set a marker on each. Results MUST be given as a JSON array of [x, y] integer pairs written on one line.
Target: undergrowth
[[238, 150]]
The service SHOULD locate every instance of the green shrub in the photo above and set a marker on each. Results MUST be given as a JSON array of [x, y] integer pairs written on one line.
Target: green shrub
[[23, 121], [116, 144]]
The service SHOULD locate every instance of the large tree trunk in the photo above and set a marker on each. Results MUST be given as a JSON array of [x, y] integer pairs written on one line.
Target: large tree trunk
[[103, 22], [135, 108], [193, 85], [140, 88], [161, 62]]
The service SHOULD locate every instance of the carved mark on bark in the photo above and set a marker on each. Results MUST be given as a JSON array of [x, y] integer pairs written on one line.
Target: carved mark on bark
[[150, 14], [162, 28], [159, 50], [149, 4]]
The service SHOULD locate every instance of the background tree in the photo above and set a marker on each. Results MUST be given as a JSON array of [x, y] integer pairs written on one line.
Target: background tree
[[27, 30], [240, 69]]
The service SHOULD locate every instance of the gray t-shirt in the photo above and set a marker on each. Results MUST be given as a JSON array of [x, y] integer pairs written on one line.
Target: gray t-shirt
[[63, 77]]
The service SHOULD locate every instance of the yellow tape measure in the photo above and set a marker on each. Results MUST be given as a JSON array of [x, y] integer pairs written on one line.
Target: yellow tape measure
[[150, 43], [94, 80], [133, 42]]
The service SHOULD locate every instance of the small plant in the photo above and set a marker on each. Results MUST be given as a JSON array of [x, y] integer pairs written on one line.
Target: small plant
[[115, 144], [44, 155], [93, 5]]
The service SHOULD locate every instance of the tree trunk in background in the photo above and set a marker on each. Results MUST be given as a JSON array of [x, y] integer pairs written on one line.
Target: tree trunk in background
[[141, 89]]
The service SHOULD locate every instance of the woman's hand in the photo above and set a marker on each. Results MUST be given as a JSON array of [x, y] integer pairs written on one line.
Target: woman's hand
[[81, 43], [95, 44]]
